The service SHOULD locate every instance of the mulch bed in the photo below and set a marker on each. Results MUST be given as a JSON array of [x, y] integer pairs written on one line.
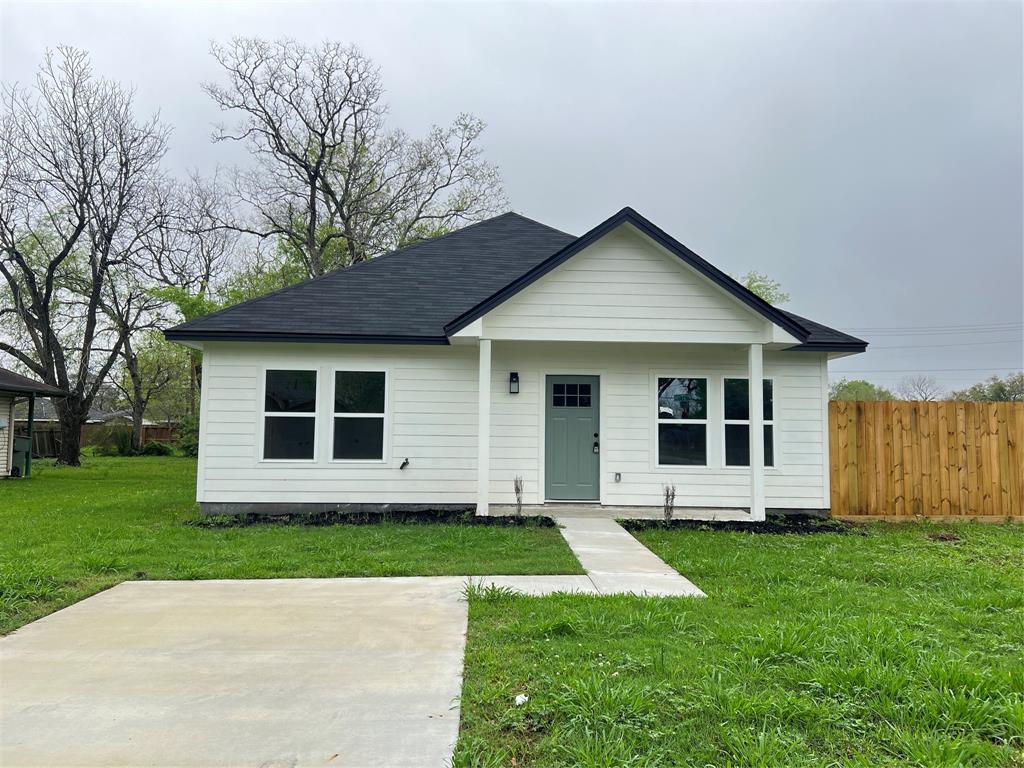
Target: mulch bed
[[429, 517], [788, 524]]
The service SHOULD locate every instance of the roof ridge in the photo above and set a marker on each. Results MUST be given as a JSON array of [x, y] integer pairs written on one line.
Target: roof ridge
[[540, 224]]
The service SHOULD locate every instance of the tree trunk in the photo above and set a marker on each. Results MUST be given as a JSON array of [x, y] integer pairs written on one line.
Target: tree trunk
[[138, 400], [71, 414], [138, 408], [193, 381]]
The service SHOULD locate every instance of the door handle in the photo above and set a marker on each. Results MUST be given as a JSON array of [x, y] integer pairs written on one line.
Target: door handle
[[597, 447]]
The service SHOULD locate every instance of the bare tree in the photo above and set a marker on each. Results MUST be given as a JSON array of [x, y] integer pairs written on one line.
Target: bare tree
[[919, 388], [330, 179], [190, 254], [77, 172]]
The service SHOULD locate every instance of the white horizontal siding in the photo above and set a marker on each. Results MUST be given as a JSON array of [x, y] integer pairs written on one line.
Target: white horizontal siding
[[432, 422], [6, 434], [433, 415], [625, 287], [628, 428]]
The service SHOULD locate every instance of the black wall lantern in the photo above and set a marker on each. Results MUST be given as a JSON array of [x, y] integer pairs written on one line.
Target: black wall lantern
[[513, 383]]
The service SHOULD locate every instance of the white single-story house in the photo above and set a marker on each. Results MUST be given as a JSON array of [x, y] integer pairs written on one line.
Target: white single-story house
[[598, 369]]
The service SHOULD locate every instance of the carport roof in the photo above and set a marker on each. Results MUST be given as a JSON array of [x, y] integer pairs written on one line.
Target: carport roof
[[12, 382]]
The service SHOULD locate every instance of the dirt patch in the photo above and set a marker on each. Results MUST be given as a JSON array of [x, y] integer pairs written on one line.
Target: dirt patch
[[789, 524], [369, 518], [945, 536]]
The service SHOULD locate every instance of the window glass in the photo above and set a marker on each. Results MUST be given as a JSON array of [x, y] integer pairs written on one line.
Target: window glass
[[359, 392], [359, 438], [290, 392], [288, 437], [571, 395], [682, 398], [737, 400], [737, 445], [682, 444]]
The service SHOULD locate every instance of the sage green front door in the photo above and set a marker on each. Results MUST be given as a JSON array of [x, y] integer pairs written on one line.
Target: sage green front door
[[572, 438]]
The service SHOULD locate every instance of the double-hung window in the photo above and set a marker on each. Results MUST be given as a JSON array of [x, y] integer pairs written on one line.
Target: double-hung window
[[289, 415], [737, 423], [682, 421], [359, 411]]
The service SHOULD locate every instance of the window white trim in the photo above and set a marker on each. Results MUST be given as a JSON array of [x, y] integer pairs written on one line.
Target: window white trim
[[385, 416], [706, 421], [264, 413], [765, 423]]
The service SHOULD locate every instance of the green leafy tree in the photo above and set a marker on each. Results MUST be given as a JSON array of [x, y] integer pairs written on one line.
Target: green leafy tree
[[1010, 388], [858, 389], [768, 289]]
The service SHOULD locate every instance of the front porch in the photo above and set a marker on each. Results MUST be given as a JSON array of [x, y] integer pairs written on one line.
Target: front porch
[[587, 429]]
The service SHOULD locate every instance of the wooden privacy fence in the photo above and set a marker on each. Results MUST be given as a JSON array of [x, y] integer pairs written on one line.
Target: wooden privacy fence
[[46, 435], [944, 459]]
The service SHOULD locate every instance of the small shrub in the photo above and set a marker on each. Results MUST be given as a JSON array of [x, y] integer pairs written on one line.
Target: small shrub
[[113, 440], [669, 503], [188, 436], [517, 485], [156, 448]]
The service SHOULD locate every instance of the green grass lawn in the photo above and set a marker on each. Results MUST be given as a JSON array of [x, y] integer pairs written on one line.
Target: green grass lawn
[[68, 532], [885, 649]]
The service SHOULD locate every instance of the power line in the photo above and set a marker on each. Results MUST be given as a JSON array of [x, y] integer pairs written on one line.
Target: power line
[[976, 326], [954, 344], [926, 370], [939, 332]]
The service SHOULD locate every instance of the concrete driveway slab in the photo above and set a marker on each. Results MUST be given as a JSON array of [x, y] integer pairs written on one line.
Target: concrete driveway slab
[[326, 672]]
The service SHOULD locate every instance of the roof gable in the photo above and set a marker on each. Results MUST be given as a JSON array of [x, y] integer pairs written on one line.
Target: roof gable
[[628, 215], [625, 287]]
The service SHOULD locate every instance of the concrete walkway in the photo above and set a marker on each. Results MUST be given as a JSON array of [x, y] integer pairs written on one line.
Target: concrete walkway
[[615, 562], [273, 673]]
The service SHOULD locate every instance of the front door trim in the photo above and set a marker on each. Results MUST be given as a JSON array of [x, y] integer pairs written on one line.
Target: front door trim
[[547, 382]]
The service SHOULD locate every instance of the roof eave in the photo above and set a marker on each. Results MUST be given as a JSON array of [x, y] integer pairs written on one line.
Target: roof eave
[[826, 346], [179, 333]]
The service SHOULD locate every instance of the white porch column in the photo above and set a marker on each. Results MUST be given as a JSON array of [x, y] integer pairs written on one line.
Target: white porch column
[[483, 449], [755, 377]]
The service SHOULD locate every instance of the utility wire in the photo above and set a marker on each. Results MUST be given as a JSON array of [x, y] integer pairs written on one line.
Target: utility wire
[[954, 344]]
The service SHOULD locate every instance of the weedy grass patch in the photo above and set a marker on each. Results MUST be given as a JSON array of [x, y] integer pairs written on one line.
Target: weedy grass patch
[[899, 646]]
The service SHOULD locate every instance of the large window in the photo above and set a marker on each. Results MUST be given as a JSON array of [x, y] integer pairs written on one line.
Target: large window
[[359, 398], [737, 423], [289, 415], [682, 421]]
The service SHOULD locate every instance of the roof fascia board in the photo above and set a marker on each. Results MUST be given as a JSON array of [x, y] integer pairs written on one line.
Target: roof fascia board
[[174, 334]]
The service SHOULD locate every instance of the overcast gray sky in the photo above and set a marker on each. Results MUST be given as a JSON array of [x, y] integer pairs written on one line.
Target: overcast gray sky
[[867, 155]]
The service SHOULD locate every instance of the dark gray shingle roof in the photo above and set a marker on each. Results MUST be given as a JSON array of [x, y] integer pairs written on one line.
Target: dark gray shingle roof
[[22, 385], [411, 295], [408, 295]]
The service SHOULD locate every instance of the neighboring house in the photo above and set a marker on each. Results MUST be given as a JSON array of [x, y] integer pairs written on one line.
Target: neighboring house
[[599, 369], [15, 389]]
